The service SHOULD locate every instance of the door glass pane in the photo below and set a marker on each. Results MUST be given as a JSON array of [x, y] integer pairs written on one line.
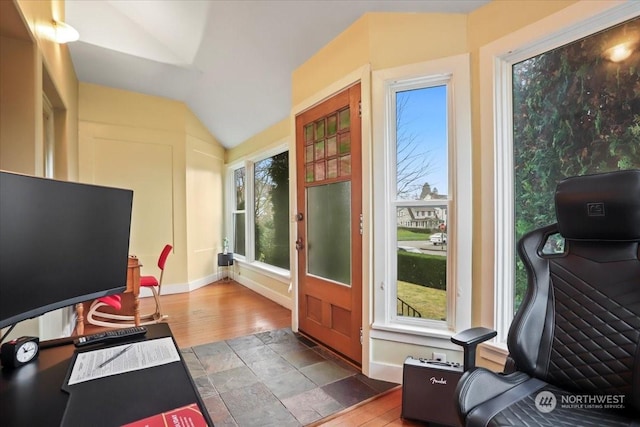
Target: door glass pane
[[332, 124], [329, 231], [332, 146], [345, 165], [308, 132], [422, 262], [345, 119]]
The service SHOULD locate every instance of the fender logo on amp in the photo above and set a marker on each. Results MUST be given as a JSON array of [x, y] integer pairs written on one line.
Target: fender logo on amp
[[434, 380]]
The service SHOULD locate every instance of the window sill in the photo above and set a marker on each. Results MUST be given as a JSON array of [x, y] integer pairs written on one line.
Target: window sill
[[275, 273], [494, 352], [438, 338]]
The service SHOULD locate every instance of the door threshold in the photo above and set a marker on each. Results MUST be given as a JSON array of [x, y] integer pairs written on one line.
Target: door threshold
[[332, 352]]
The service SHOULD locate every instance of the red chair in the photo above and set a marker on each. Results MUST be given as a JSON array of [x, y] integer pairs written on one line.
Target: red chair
[[156, 285], [94, 314], [111, 320]]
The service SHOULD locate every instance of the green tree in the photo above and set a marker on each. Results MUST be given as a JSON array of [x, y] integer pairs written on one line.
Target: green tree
[[574, 113]]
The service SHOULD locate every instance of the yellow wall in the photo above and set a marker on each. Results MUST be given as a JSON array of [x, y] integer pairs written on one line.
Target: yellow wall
[[385, 40], [205, 197], [18, 136], [159, 149], [53, 63], [32, 65]]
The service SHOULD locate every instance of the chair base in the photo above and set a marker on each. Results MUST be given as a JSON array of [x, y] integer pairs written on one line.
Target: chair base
[[100, 318]]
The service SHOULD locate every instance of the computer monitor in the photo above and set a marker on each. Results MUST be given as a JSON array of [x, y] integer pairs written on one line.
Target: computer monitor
[[61, 243]]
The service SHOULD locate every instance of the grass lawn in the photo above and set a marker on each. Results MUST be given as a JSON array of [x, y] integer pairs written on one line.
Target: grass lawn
[[431, 303], [408, 235]]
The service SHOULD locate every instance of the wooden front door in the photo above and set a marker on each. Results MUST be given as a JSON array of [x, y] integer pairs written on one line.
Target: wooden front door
[[329, 239]]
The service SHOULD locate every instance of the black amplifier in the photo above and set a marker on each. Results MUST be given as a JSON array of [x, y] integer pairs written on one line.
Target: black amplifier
[[428, 390]]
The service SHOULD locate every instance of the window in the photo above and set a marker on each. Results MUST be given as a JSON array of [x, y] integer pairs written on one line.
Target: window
[[239, 217], [271, 207], [421, 166], [571, 110], [422, 142], [260, 214]]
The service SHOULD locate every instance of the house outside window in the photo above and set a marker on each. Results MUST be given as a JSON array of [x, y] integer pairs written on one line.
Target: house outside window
[[422, 138], [574, 110], [260, 210]]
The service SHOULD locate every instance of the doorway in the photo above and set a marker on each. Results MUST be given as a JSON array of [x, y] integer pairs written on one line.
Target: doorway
[[329, 222]]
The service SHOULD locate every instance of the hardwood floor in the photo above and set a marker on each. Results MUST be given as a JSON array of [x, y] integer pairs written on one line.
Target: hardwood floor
[[224, 310]]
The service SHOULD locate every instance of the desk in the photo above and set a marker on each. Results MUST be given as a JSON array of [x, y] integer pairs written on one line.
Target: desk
[[133, 288], [32, 395]]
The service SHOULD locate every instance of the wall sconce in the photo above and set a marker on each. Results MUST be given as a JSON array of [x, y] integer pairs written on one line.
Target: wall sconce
[[64, 33]]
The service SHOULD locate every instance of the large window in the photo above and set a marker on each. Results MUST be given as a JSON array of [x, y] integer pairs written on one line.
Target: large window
[[271, 210], [260, 214], [576, 111], [422, 183], [239, 216], [421, 198], [572, 108]]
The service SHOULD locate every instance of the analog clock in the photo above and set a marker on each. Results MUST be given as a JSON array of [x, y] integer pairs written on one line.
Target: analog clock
[[19, 351]]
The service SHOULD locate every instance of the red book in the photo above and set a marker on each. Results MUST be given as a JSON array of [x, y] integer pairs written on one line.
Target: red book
[[187, 416]]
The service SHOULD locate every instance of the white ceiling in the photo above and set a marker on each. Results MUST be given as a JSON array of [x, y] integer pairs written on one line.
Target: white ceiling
[[230, 61]]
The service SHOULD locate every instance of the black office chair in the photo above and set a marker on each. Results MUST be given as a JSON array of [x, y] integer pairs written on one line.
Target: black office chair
[[574, 344]]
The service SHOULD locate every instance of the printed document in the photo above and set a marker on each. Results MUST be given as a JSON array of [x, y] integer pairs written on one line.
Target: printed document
[[104, 362]]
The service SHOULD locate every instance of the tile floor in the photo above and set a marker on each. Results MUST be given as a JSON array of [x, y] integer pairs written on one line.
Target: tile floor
[[275, 378]]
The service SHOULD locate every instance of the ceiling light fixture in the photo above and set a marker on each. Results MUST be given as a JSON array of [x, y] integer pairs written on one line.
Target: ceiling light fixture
[[64, 33], [619, 52]]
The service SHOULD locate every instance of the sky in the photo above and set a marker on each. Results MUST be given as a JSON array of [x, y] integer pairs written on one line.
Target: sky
[[424, 120]]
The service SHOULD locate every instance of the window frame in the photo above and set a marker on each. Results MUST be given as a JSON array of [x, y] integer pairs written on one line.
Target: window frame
[[248, 163], [496, 61], [455, 71]]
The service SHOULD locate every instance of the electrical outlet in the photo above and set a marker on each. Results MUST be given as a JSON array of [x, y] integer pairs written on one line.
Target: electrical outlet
[[440, 357]]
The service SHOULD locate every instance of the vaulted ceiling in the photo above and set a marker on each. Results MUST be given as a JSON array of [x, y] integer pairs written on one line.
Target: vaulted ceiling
[[230, 61]]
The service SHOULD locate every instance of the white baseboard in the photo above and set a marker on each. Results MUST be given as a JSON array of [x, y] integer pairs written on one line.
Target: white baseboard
[[385, 372], [180, 288], [265, 292]]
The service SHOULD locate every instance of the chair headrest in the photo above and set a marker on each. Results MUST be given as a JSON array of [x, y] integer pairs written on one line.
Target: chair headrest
[[604, 206]]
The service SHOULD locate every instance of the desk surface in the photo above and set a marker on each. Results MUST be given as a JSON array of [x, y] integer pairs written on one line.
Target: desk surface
[[32, 395]]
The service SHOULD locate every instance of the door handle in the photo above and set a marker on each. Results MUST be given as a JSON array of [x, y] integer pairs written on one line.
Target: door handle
[[299, 244]]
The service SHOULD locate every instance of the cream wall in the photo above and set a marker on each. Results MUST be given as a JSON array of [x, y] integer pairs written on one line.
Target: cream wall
[[159, 149]]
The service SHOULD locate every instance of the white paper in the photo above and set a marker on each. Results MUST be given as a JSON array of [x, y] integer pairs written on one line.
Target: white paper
[[90, 365]]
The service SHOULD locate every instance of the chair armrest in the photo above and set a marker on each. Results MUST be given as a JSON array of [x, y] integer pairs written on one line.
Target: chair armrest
[[469, 340]]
